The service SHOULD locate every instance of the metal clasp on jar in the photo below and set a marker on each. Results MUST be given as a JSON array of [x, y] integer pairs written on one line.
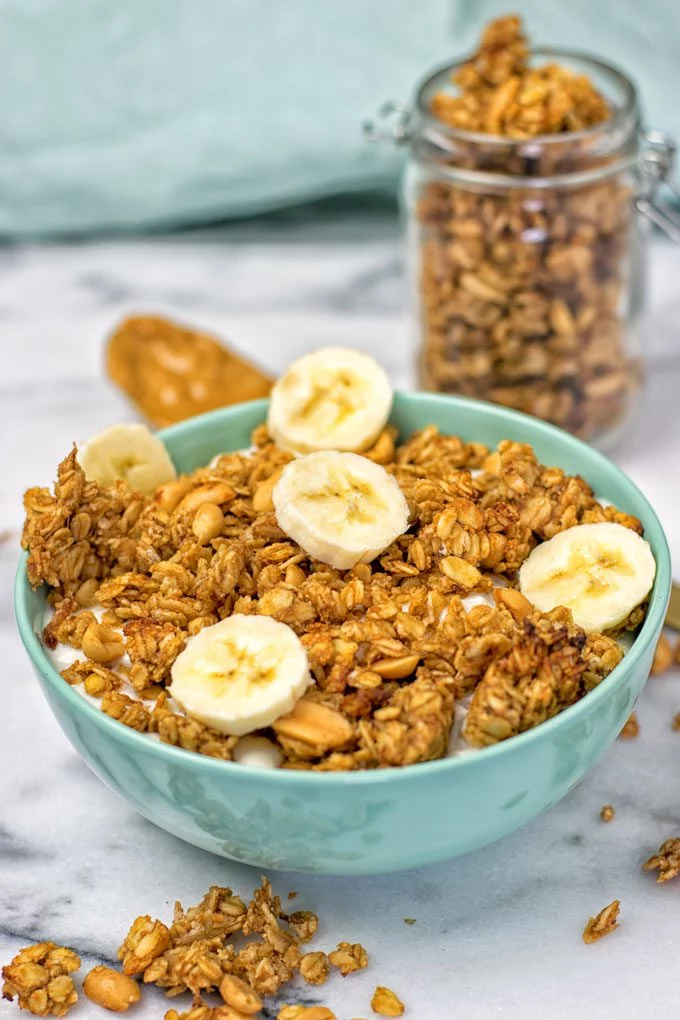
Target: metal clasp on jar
[[656, 162], [391, 124]]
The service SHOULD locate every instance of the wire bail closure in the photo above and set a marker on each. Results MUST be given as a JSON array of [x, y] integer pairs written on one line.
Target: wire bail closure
[[656, 163], [391, 124]]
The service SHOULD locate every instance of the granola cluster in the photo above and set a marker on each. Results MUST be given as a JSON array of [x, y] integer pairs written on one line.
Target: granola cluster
[[391, 645], [39, 977], [242, 951], [524, 291]]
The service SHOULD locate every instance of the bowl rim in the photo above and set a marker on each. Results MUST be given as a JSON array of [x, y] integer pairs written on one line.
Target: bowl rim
[[418, 772]]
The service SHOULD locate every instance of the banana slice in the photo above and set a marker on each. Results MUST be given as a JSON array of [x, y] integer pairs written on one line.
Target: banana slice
[[333, 399], [240, 674], [599, 571], [340, 507], [131, 452]]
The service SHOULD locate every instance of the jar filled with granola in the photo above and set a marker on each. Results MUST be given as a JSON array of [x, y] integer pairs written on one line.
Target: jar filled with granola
[[522, 195]]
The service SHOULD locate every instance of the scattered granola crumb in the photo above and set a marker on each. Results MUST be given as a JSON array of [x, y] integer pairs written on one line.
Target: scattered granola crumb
[[667, 861], [38, 975], [603, 924], [663, 656], [607, 813], [675, 724], [348, 957], [409, 920], [676, 652], [315, 968], [292, 894], [386, 1002], [631, 728]]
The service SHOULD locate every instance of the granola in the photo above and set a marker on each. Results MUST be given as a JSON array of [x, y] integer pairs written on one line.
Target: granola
[[522, 294], [602, 924], [39, 977], [666, 862], [607, 813], [394, 647]]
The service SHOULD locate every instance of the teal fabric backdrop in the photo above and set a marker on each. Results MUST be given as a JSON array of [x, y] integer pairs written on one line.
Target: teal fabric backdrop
[[132, 114]]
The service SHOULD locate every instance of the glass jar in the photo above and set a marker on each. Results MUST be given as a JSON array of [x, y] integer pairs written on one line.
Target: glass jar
[[526, 257]]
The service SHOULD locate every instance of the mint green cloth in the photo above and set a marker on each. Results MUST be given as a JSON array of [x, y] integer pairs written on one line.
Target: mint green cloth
[[132, 114]]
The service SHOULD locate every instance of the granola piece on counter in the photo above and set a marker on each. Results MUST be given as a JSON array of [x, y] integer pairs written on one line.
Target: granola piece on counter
[[386, 1002], [540, 675], [667, 861], [218, 914], [607, 813], [349, 957], [145, 942], [602, 924], [663, 656], [39, 977], [314, 968], [631, 728], [413, 726]]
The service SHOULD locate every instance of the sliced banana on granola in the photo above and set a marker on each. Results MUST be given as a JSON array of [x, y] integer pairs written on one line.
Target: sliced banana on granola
[[129, 452], [333, 399], [599, 571], [240, 674], [341, 508]]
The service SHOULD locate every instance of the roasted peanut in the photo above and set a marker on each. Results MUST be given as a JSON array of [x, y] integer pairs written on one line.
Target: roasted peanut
[[85, 595], [305, 1013], [168, 496], [386, 1002], [111, 989], [294, 575], [315, 724], [262, 497], [239, 995], [211, 492], [207, 523], [395, 669], [514, 602], [102, 644]]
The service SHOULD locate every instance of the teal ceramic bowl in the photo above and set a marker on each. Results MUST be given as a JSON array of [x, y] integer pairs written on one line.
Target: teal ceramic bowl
[[365, 822]]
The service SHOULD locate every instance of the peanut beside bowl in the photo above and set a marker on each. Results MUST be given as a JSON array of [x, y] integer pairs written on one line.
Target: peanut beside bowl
[[380, 820]]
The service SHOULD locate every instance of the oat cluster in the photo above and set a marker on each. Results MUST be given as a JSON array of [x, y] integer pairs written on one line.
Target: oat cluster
[[602, 924], [524, 292], [667, 862], [390, 644], [39, 977]]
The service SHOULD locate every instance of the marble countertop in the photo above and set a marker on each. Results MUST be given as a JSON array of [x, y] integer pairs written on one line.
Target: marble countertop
[[497, 933]]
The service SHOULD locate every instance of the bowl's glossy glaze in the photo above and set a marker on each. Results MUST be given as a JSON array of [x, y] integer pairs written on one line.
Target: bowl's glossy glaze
[[365, 822]]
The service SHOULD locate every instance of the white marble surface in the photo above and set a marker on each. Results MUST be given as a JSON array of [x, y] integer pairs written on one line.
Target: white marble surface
[[497, 932]]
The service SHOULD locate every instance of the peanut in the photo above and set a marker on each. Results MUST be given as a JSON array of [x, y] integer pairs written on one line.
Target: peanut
[[386, 1002], [111, 989], [315, 724], [396, 669], [211, 492], [516, 604], [305, 1013], [207, 523], [262, 497], [294, 575], [102, 644], [382, 451], [168, 496], [85, 595], [239, 995]]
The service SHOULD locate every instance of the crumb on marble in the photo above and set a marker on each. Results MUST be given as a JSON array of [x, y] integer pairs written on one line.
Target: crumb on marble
[[385, 1002], [663, 656], [631, 728], [602, 924], [292, 894], [667, 861], [675, 722], [409, 920], [607, 813]]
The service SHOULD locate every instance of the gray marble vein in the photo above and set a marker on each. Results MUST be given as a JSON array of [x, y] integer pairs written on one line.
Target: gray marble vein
[[497, 933]]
